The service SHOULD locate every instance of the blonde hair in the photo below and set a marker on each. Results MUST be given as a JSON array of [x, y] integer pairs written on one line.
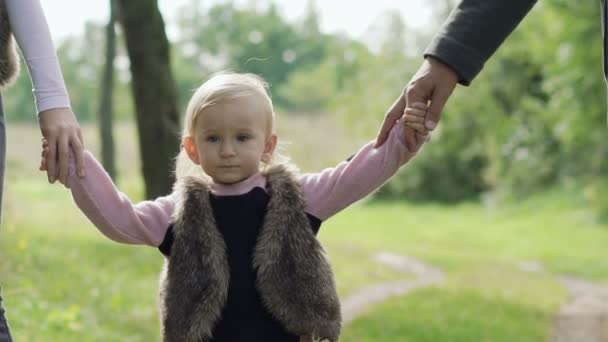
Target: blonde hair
[[220, 88]]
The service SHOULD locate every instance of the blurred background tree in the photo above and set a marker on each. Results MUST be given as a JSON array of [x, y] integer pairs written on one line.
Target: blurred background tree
[[535, 118]]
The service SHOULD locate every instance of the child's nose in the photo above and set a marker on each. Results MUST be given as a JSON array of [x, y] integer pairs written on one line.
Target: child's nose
[[227, 150]]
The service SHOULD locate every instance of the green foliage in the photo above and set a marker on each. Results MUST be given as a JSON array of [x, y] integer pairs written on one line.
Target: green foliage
[[557, 125], [450, 168], [18, 100], [251, 40], [310, 90], [595, 194], [316, 88], [81, 59], [534, 117]]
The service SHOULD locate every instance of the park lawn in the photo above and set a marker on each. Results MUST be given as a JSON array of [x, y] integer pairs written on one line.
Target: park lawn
[[551, 228], [486, 296], [63, 281]]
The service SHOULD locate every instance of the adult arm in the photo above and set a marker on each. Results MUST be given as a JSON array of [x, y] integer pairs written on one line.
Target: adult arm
[[457, 53], [58, 123], [473, 32]]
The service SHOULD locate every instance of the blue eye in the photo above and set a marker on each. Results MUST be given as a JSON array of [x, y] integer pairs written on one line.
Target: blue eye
[[243, 138], [212, 138]]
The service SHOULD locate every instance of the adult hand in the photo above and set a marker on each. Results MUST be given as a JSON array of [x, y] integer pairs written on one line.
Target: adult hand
[[61, 130], [433, 84]]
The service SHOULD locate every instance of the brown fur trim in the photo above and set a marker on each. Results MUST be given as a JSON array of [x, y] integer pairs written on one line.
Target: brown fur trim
[[294, 276], [192, 301], [9, 59]]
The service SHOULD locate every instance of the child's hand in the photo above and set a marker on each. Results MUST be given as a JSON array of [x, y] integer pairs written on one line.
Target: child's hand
[[44, 155], [413, 118]]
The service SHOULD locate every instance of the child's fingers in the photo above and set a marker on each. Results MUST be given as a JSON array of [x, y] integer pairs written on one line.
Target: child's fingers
[[415, 111], [418, 127], [419, 105], [43, 155], [42, 165], [413, 118]]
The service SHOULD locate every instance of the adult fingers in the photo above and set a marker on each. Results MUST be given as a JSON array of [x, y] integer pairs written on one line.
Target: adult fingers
[[441, 94], [51, 159], [391, 116], [78, 148], [63, 157]]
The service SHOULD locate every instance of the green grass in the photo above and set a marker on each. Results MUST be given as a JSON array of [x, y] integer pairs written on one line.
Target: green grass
[[451, 315], [63, 281], [458, 237], [485, 297], [355, 268]]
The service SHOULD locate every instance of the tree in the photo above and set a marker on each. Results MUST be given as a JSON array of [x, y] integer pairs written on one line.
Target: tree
[[251, 39], [106, 107], [154, 91]]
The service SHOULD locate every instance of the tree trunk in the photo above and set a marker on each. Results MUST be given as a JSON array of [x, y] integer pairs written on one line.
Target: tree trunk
[[106, 106], [154, 92]]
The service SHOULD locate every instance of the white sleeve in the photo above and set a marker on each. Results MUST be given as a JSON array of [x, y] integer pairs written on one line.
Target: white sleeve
[[31, 31]]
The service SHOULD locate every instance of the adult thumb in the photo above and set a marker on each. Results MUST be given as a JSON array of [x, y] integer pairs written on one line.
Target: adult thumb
[[391, 116]]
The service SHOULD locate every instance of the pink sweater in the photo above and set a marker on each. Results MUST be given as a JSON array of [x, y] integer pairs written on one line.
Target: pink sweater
[[34, 39], [326, 192]]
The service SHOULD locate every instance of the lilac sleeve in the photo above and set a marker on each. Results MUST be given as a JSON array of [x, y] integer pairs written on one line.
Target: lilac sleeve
[[333, 189], [31, 31], [113, 213]]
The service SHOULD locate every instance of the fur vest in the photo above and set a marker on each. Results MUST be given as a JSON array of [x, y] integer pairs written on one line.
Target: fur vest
[[9, 60], [195, 279]]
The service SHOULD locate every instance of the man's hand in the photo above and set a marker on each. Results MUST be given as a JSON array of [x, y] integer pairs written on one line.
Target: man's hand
[[432, 84], [61, 131]]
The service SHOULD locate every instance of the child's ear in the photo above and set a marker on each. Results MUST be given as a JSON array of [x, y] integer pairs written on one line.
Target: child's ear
[[269, 147], [191, 150]]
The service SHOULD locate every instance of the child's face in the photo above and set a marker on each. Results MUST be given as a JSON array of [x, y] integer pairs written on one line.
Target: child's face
[[231, 139]]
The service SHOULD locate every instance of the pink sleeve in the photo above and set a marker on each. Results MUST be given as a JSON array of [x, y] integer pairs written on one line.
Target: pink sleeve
[[333, 189], [112, 212], [31, 31]]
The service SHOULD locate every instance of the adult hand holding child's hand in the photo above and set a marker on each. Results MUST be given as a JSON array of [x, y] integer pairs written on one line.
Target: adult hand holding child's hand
[[62, 133], [414, 117]]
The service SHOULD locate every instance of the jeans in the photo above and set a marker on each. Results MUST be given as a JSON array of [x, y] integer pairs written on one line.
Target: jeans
[[5, 333]]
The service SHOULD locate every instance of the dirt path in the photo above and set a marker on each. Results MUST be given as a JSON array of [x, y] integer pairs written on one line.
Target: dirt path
[[585, 316], [360, 302], [583, 319]]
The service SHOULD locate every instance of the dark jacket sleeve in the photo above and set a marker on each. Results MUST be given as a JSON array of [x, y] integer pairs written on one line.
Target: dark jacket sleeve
[[473, 32]]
